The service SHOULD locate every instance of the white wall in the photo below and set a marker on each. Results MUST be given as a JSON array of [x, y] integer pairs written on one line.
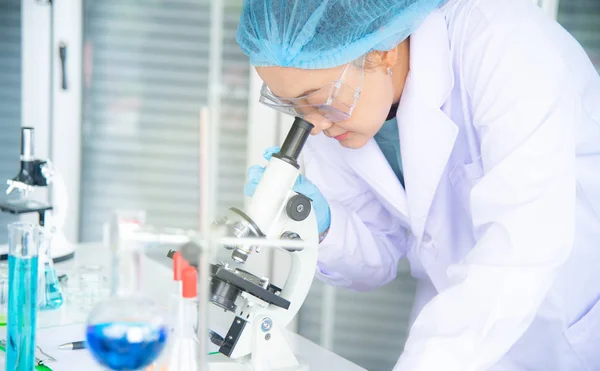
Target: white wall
[[35, 80], [65, 139]]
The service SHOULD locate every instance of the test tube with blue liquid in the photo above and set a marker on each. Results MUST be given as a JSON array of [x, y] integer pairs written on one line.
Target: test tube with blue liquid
[[50, 295], [22, 296]]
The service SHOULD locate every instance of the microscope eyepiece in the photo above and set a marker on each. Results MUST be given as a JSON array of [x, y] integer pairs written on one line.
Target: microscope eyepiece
[[294, 141], [27, 148]]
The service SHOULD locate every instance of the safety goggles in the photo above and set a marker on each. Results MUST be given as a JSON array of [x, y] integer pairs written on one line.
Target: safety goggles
[[334, 101]]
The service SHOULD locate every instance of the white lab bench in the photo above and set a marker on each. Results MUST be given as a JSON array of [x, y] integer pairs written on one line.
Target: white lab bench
[[158, 284]]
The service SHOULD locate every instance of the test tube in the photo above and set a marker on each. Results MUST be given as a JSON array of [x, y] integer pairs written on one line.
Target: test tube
[[22, 296]]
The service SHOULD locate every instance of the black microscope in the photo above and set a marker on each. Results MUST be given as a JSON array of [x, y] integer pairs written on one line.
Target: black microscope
[[33, 173]]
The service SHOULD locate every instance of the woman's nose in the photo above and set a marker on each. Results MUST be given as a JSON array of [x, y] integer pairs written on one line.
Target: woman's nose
[[320, 124]]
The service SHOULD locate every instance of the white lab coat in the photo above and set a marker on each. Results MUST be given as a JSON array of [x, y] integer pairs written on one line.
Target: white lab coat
[[500, 139]]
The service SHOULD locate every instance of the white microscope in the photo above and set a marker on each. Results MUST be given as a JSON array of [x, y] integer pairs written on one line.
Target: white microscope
[[255, 309], [33, 174], [247, 313]]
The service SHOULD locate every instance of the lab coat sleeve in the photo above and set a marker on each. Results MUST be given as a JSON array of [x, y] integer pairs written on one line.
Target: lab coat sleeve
[[364, 242], [525, 111]]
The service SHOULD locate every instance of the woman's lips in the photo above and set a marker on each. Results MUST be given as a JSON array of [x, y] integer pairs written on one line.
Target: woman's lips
[[341, 136]]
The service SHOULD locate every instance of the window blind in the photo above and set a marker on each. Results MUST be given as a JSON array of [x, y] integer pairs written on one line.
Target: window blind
[[582, 19], [10, 99], [146, 66]]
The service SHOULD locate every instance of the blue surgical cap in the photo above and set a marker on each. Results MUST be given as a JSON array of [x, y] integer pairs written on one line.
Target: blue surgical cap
[[313, 34]]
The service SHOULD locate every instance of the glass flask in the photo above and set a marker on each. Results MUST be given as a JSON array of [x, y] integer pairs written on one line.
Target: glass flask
[[128, 331], [22, 296], [49, 291]]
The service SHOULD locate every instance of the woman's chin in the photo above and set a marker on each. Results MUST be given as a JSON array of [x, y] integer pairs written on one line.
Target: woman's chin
[[353, 142]]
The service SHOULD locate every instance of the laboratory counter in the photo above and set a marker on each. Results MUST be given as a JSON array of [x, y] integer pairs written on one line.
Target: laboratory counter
[[72, 317]]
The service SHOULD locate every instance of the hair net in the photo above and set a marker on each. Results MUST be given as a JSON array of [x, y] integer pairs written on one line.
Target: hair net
[[325, 33]]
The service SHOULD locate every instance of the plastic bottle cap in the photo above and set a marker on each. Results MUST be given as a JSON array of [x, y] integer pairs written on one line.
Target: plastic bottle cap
[[189, 279], [178, 265]]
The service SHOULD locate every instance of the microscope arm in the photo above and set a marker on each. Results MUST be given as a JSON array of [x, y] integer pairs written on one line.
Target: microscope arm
[[274, 202], [59, 192]]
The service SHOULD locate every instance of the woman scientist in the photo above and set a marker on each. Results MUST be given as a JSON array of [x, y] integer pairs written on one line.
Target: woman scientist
[[465, 136]]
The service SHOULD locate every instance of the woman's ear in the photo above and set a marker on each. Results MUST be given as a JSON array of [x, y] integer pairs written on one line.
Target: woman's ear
[[383, 60], [389, 58]]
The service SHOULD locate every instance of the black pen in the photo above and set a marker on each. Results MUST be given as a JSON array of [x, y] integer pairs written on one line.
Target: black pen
[[73, 346]]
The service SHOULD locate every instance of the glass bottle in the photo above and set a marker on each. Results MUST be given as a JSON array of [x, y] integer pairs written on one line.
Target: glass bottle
[[129, 330]]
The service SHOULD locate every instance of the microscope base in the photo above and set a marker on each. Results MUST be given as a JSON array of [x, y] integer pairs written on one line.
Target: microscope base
[[270, 350], [62, 249]]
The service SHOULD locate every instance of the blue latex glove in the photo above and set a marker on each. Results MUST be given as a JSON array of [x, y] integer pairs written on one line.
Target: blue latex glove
[[302, 186]]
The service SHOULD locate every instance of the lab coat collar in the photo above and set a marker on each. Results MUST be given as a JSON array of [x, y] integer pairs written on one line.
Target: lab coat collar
[[382, 180], [430, 61], [427, 134]]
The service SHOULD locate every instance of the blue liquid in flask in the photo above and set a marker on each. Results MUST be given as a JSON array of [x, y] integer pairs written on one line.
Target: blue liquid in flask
[[126, 346], [53, 295], [22, 305]]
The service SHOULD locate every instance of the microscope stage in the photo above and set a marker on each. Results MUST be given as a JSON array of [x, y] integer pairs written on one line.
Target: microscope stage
[[24, 207]]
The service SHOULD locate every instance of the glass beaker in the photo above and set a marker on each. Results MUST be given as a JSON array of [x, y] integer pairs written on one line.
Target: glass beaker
[[121, 221], [22, 296], [93, 285], [50, 293], [127, 331]]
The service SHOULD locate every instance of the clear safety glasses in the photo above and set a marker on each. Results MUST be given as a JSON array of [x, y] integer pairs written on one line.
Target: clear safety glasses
[[334, 101]]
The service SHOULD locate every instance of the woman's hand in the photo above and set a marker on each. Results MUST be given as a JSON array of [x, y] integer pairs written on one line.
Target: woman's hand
[[302, 186]]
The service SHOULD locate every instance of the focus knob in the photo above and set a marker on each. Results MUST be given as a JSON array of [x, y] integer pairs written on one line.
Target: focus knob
[[298, 207]]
